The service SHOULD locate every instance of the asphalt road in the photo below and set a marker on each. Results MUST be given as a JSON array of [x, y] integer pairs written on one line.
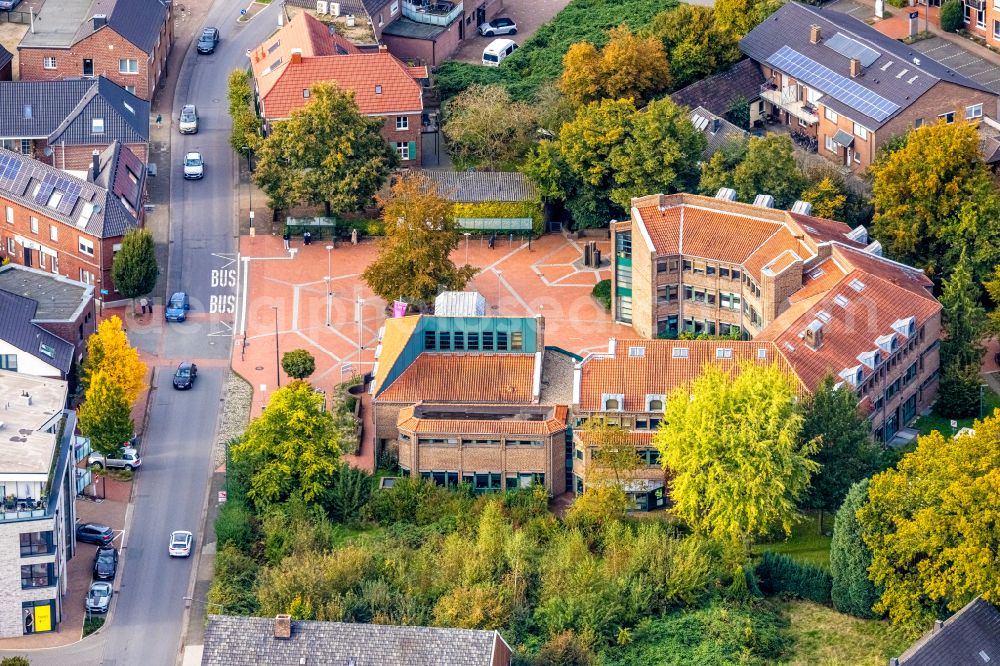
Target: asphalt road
[[171, 492]]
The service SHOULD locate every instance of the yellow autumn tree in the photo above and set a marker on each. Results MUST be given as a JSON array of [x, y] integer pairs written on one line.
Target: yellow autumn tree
[[629, 67], [931, 525], [826, 198], [108, 351]]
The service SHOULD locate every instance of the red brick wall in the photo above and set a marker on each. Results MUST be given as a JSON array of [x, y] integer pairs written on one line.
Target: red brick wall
[[70, 260], [105, 47], [71, 330], [430, 52], [79, 158], [411, 134]]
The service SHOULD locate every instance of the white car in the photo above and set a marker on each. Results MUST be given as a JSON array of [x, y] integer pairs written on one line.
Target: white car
[[189, 120], [194, 166], [180, 543]]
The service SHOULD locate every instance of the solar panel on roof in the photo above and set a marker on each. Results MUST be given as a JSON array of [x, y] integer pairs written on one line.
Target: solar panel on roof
[[851, 48], [10, 166], [830, 83]]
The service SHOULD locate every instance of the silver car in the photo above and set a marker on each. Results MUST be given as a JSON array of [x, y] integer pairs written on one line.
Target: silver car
[[99, 597], [189, 120]]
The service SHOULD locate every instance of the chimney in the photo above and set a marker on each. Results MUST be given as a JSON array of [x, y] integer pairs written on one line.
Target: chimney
[[283, 626], [855, 68], [96, 165], [814, 335], [938, 626], [100, 20], [815, 34], [894, 661], [382, 48], [296, 56], [764, 201]]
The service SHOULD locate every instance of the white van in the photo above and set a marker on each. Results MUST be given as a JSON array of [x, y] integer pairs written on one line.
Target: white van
[[497, 50]]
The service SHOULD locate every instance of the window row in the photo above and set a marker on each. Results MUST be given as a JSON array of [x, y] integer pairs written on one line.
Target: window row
[[698, 267], [455, 441], [473, 341], [486, 481]]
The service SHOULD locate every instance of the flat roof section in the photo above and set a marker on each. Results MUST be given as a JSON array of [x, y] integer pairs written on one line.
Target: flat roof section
[[58, 297], [58, 26], [27, 405]]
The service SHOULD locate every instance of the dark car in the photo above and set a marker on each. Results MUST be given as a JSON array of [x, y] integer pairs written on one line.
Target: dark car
[[184, 377], [208, 41], [97, 533], [498, 26], [106, 563]]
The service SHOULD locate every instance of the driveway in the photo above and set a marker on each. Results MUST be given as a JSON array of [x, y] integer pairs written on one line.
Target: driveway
[[529, 16], [959, 60]]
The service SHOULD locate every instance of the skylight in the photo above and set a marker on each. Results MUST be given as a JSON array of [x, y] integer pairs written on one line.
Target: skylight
[[679, 352], [840, 300], [636, 352], [823, 316], [723, 352], [54, 199], [857, 285]]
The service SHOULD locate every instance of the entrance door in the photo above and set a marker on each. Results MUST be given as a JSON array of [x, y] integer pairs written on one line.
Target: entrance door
[[847, 157], [28, 257], [481, 16], [88, 67]]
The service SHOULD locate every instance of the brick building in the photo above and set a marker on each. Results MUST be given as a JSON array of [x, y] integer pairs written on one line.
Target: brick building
[[66, 225], [462, 400], [63, 122], [37, 515], [305, 52], [45, 321], [813, 287], [126, 41], [841, 81], [6, 64]]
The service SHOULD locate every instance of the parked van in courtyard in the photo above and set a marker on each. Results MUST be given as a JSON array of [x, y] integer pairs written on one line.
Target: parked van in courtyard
[[497, 50]]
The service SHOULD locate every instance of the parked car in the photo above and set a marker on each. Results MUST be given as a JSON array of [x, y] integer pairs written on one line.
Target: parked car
[[106, 563], [208, 41], [177, 307], [96, 533], [99, 597], [194, 166], [498, 26], [497, 51], [7, 5], [189, 120], [128, 458], [180, 543], [185, 375]]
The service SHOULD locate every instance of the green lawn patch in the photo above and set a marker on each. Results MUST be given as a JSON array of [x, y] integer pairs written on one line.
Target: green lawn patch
[[820, 635], [92, 624], [925, 425], [805, 544], [540, 58]]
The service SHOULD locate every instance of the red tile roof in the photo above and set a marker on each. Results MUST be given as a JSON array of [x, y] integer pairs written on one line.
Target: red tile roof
[[818, 280], [382, 85], [473, 378], [469, 427], [657, 371]]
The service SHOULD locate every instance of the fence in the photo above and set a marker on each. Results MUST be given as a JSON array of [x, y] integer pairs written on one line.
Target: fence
[[18, 17]]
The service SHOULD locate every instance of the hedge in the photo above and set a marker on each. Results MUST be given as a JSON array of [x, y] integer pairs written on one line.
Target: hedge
[[780, 574], [504, 209], [602, 292]]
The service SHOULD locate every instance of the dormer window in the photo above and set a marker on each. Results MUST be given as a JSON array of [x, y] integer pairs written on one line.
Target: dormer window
[[870, 358], [906, 327], [853, 376], [612, 402], [887, 343], [654, 402]]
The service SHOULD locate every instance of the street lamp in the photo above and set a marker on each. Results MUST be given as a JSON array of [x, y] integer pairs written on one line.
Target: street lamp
[[277, 353], [360, 315], [250, 183], [329, 278], [467, 234]]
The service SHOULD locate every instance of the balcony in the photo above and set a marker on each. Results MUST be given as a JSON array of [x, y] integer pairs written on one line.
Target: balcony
[[788, 100], [433, 12], [23, 508]]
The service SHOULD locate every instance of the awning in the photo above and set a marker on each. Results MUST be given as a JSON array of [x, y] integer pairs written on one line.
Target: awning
[[843, 138]]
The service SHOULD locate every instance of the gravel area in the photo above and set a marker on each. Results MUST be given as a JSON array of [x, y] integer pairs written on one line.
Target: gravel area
[[235, 413]]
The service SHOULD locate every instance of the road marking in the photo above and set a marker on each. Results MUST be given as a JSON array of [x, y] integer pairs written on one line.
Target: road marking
[[228, 257], [225, 331]]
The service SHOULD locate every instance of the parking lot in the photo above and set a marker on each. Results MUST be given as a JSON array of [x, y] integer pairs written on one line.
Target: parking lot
[[529, 15], [959, 60]]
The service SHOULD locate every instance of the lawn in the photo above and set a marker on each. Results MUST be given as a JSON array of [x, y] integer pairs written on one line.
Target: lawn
[[820, 635], [933, 421], [805, 544]]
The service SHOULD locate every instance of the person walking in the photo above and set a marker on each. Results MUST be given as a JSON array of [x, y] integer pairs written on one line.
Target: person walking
[[286, 237]]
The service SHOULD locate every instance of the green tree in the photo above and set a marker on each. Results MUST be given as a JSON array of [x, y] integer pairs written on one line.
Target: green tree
[[717, 172], [246, 123], [935, 198], [850, 558], [660, 154], [738, 17], [826, 198], [105, 415], [485, 127], [298, 363], [695, 45], [846, 451], [108, 351], [348, 494], [134, 268], [413, 261], [769, 168], [291, 446], [614, 462], [931, 525], [738, 112], [734, 448], [964, 322], [951, 15], [992, 287], [327, 152]]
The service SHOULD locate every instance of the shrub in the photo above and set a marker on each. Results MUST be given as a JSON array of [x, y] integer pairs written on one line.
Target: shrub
[[565, 649], [235, 526], [951, 15], [233, 586], [298, 363], [850, 557], [780, 574], [348, 493], [602, 292]]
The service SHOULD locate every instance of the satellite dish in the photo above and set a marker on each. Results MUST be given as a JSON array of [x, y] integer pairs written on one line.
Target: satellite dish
[[48, 151]]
